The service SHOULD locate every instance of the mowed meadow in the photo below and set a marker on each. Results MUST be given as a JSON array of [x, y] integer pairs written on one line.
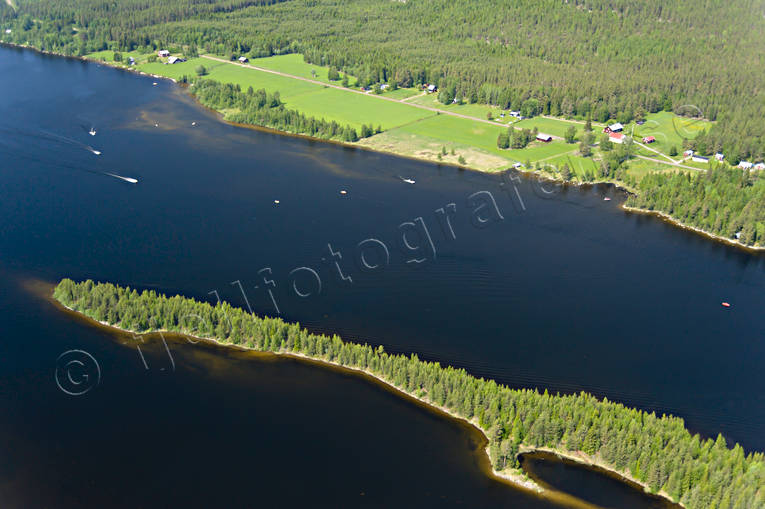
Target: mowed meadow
[[420, 127]]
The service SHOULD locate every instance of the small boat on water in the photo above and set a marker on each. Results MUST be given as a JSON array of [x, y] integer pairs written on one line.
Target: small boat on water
[[606, 199], [726, 304], [276, 201], [408, 181], [92, 132], [343, 192]]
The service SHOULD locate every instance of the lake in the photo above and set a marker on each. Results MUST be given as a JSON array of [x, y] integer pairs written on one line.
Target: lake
[[529, 283]]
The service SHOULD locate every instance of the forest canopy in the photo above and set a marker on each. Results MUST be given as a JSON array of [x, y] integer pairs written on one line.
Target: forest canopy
[[611, 59], [659, 451]]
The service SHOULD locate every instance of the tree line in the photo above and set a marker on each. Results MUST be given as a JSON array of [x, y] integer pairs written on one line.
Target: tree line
[[729, 202], [257, 107], [610, 59], [657, 450]]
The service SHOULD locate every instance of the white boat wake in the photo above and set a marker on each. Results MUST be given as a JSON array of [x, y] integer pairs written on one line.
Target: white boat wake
[[126, 179]]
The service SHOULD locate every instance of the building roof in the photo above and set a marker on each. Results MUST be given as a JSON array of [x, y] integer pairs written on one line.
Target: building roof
[[745, 164], [617, 136], [544, 137], [649, 138], [700, 158], [616, 127]]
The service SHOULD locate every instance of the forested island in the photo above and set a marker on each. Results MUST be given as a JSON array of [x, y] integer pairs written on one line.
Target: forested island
[[657, 451]]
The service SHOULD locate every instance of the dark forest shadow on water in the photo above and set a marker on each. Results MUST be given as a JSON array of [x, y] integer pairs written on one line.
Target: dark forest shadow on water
[[593, 484]]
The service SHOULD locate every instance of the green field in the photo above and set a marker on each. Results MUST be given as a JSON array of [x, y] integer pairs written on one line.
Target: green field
[[668, 129], [550, 126], [355, 109], [473, 110], [414, 131], [248, 77], [295, 65], [403, 93], [177, 71]]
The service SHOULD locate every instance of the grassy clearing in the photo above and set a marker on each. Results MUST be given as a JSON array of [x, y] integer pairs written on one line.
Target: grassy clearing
[[473, 110], [425, 147], [417, 132], [175, 71], [550, 126], [403, 93], [458, 130], [247, 77], [355, 109], [295, 65], [668, 129]]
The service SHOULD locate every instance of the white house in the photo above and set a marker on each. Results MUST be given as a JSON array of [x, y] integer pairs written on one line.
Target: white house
[[720, 156], [7, 30], [759, 166], [617, 127], [745, 165], [384, 86], [516, 114], [175, 60], [699, 159], [688, 153], [243, 59], [432, 88], [163, 53], [546, 138]]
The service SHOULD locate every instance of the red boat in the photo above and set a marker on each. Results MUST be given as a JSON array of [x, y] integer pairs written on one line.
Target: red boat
[[725, 304]]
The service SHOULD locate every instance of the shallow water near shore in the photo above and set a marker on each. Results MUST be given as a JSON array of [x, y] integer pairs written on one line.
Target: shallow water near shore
[[564, 291]]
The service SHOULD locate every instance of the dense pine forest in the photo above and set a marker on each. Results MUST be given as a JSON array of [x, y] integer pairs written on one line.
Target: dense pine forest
[[726, 202], [659, 451], [612, 59]]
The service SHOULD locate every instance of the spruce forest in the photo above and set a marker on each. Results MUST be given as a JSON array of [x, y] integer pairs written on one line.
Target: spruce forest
[[657, 450]]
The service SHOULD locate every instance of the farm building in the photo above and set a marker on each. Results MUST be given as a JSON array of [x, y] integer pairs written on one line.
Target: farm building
[[244, 60], [688, 153], [432, 88], [648, 139], [163, 53], [616, 137], [759, 166], [720, 156], [616, 128], [699, 159], [546, 138], [175, 60], [131, 61], [745, 165]]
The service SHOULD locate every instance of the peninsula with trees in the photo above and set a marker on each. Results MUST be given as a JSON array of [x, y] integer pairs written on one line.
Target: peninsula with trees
[[656, 451]]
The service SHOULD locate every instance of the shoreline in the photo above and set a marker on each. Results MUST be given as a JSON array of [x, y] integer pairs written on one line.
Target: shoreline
[[674, 222], [540, 174], [515, 477]]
